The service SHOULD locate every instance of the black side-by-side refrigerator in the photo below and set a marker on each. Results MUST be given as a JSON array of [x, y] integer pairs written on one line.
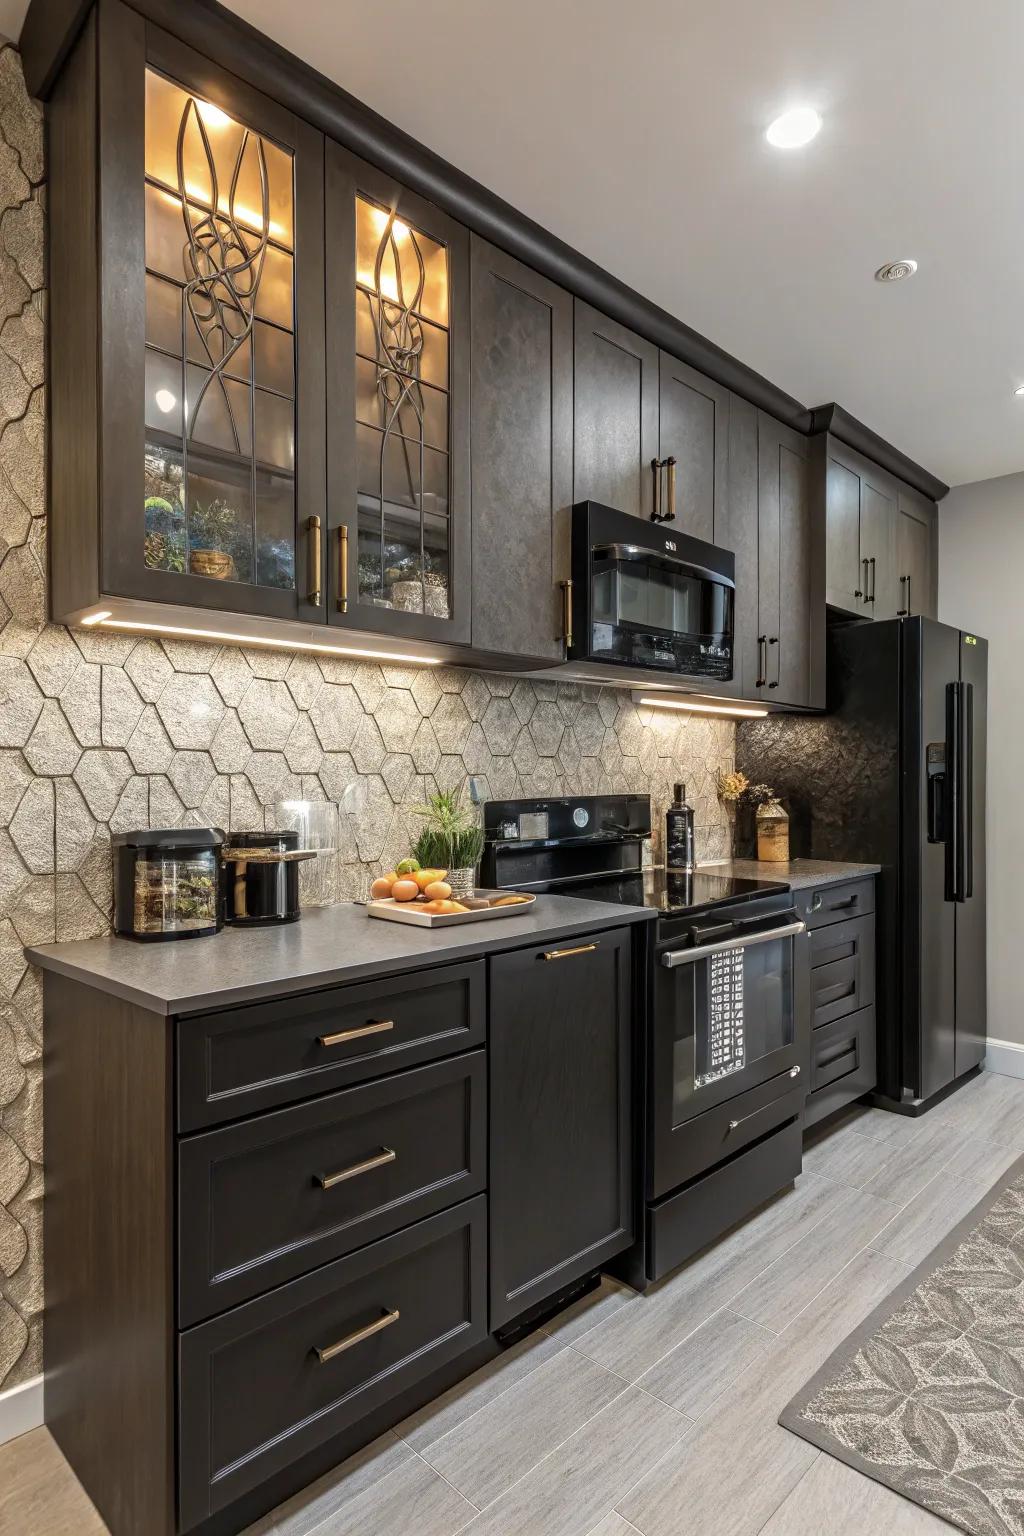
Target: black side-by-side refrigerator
[[894, 774]]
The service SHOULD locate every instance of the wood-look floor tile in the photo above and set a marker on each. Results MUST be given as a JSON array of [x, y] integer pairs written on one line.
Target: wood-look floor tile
[[788, 1285], [923, 1223], [613, 1525], [590, 1310], [913, 1166], [885, 1124], [500, 1444], [467, 1397], [990, 1106], [734, 1469], [412, 1498], [692, 1375], [307, 1510], [831, 1499], [846, 1156], [39, 1494], [579, 1482], [644, 1330]]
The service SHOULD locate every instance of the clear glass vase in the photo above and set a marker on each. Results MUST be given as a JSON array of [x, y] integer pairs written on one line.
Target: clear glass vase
[[318, 824]]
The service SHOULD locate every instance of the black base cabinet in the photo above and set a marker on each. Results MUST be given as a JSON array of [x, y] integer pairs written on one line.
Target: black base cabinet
[[561, 1117], [841, 920]]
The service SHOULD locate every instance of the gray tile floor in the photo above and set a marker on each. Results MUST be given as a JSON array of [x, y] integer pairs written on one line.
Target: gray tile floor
[[657, 1414]]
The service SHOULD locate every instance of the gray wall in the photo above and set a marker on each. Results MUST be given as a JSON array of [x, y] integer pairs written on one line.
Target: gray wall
[[981, 587]]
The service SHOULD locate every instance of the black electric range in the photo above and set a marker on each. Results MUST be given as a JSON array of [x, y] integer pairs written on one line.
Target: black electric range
[[724, 1012]]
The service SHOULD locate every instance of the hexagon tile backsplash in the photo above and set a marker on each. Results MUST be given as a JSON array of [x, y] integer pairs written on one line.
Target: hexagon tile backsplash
[[100, 733]]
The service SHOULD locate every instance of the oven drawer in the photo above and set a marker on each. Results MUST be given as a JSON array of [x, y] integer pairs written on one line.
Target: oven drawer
[[269, 1198], [683, 1223], [842, 968], [834, 903], [267, 1382], [698, 1143], [241, 1060], [842, 1064]]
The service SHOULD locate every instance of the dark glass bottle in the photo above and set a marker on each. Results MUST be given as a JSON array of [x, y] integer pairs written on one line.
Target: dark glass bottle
[[679, 847]]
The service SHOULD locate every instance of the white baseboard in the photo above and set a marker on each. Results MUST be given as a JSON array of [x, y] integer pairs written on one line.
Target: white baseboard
[[21, 1409], [1005, 1057]]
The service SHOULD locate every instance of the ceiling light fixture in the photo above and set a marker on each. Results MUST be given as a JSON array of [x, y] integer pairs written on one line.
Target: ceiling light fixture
[[701, 707], [212, 116], [1019, 392], [188, 632], [794, 128], [165, 401], [896, 271]]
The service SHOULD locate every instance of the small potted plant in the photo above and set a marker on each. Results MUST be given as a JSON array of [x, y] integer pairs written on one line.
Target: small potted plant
[[452, 839]]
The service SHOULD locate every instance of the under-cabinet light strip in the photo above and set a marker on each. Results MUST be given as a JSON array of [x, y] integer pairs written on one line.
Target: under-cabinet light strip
[[698, 707], [187, 632]]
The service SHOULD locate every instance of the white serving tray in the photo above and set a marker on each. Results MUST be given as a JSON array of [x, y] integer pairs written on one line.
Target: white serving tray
[[406, 911]]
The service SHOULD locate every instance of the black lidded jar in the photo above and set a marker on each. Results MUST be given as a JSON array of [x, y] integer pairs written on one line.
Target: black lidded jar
[[167, 883], [262, 889], [680, 851]]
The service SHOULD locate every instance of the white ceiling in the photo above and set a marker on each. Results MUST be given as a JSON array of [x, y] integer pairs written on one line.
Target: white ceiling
[[635, 132]]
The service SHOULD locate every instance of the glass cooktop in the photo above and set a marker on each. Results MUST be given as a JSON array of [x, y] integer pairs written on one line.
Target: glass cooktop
[[671, 891]]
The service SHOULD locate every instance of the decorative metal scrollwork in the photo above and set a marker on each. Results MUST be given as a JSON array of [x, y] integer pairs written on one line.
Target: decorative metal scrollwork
[[225, 262]]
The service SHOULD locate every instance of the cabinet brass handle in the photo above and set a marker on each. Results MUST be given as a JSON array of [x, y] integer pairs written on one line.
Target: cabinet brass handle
[[563, 954], [670, 477], [371, 1027], [328, 1180], [566, 587], [350, 1339], [343, 568], [314, 594]]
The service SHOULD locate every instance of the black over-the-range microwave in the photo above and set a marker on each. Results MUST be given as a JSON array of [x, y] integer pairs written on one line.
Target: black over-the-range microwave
[[646, 595]]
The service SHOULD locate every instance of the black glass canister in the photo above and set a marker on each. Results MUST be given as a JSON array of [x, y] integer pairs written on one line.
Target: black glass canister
[[261, 878], [167, 883]]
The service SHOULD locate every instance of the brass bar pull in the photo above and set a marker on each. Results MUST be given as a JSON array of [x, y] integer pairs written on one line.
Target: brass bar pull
[[343, 568], [670, 476], [566, 587], [314, 593], [656, 509], [371, 1027], [351, 1339], [328, 1180], [563, 954]]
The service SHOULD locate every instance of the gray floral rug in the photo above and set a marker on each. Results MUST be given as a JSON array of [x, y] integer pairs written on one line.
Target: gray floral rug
[[927, 1395]]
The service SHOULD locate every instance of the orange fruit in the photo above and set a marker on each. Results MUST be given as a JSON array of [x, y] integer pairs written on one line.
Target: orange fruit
[[438, 890], [405, 890]]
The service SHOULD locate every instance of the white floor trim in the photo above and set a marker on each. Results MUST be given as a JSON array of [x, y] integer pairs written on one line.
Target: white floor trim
[[21, 1409], [1006, 1057]]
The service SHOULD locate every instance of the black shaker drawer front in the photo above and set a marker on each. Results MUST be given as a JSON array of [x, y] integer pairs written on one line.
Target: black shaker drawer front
[[842, 968], [725, 1128], [842, 1064], [247, 1059], [271, 1380], [835, 903], [270, 1198]]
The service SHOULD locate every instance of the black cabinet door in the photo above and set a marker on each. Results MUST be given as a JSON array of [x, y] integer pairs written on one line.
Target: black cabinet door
[[560, 1175], [860, 531], [739, 533], [694, 430], [397, 276], [791, 609], [878, 541], [615, 427], [521, 434], [211, 327], [916, 555]]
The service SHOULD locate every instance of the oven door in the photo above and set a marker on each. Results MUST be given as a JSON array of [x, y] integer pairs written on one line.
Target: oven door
[[730, 1015]]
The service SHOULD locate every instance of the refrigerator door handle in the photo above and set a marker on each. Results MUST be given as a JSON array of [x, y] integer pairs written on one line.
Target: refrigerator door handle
[[953, 788], [967, 791]]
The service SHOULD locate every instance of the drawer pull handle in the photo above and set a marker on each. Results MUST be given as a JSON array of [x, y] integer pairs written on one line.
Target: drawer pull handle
[[372, 1027], [563, 954], [328, 1180], [351, 1339], [841, 906]]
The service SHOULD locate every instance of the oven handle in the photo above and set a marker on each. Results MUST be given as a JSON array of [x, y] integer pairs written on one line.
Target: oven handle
[[741, 941]]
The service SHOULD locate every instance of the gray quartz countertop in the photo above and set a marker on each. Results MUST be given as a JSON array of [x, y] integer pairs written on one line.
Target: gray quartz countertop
[[327, 945], [798, 874]]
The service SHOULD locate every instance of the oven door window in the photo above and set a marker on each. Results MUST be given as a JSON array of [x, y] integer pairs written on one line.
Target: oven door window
[[646, 596], [732, 1014]]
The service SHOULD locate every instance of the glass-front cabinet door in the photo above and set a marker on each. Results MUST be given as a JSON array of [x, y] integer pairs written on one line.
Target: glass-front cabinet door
[[231, 479], [397, 407]]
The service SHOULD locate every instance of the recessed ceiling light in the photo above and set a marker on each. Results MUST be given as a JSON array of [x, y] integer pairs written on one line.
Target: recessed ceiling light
[[793, 128], [1019, 391], [895, 271]]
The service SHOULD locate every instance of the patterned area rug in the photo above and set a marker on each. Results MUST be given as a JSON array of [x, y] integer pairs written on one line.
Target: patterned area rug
[[927, 1395]]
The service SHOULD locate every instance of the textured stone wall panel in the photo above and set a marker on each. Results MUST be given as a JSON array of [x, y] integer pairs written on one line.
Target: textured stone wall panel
[[105, 732]]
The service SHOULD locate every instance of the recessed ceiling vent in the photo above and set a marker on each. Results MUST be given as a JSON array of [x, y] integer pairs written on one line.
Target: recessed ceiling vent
[[895, 271]]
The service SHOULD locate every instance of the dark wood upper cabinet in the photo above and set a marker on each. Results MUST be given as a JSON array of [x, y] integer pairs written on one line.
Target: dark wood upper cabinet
[[791, 610], [521, 434], [741, 536], [397, 272], [616, 414], [561, 1126], [694, 431], [187, 281], [916, 554], [861, 518]]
